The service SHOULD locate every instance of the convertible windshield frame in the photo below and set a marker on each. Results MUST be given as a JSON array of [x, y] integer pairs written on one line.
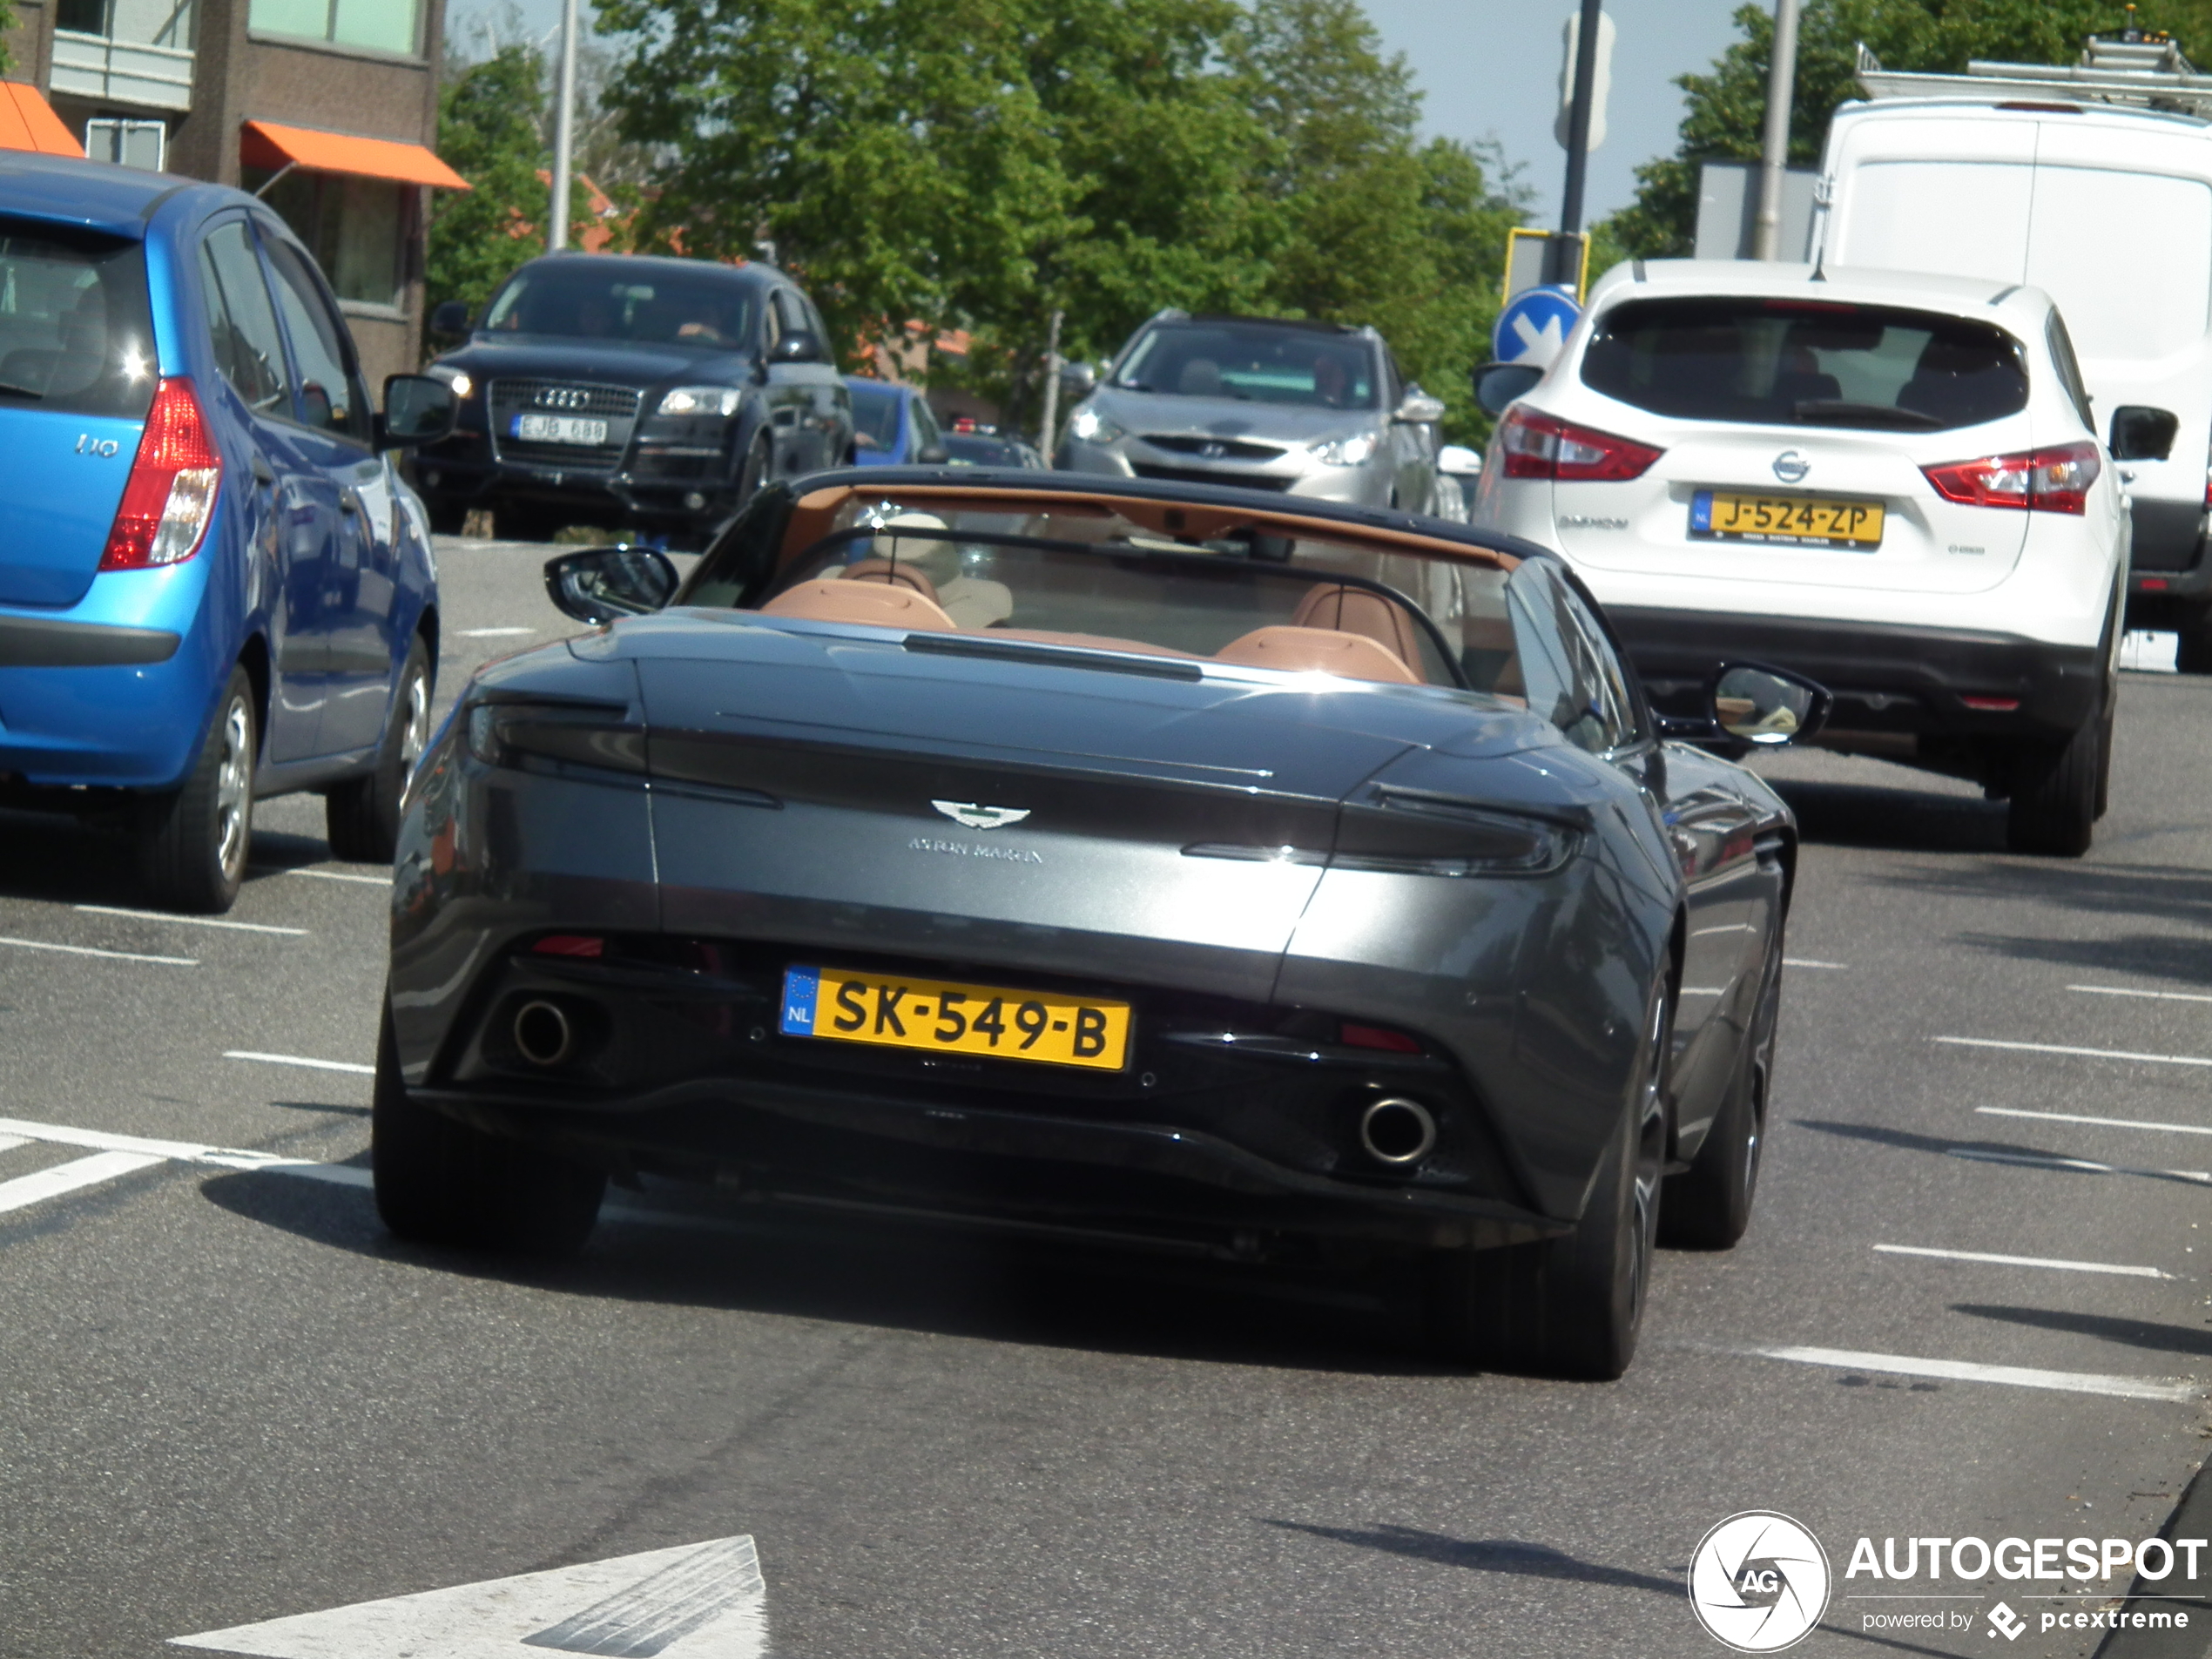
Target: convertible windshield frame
[[1216, 563]]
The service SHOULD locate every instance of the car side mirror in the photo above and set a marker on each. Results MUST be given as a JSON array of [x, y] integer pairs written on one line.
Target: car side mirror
[[418, 408], [450, 318], [2140, 433], [603, 584], [1498, 384], [1078, 379], [1458, 460], [1418, 408], [1755, 703], [796, 346]]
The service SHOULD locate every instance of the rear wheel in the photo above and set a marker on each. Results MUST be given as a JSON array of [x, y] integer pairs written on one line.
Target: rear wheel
[[2193, 646], [1570, 1307], [1708, 1205], [192, 844], [440, 1182], [2055, 788], [362, 816]]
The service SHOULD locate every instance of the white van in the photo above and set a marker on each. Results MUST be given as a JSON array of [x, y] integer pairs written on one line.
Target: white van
[[2109, 210]]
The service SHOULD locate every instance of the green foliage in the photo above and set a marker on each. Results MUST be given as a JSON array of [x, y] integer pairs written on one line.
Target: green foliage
[[1727, 106], [492, 118], [983, 164]]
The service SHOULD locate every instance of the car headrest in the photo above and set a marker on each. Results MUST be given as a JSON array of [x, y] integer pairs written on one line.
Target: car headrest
[[1346, 610], [1201, 377], [900, 573], [874, 604], [1317, 651]]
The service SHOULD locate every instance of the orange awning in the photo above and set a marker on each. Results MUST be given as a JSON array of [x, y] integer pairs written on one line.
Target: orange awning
[[27, 122], [264, 144]]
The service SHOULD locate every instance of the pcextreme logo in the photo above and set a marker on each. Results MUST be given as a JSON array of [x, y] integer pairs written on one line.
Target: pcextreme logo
[[1758, 1581]]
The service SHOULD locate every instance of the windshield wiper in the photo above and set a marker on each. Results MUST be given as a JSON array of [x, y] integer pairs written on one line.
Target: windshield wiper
[[1840, 412]]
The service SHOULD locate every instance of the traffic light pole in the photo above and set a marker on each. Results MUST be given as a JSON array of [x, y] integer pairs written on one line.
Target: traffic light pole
[[556, 235], [1563, 259], [1774, 159]]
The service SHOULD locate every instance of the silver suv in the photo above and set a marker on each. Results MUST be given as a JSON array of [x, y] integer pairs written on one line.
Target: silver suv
[[1310, 409]]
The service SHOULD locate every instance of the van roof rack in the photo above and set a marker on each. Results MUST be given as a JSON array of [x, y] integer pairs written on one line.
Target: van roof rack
[[2135, 68]]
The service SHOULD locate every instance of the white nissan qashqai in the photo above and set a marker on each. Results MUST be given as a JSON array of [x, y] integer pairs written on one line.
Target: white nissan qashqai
[[1890, 483]]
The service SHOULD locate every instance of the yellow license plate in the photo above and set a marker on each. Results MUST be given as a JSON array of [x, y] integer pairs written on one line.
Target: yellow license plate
[[848, 1005], [1803, 521]]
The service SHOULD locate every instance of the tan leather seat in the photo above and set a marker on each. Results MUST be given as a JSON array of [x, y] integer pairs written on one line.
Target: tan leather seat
[[1346, 610], [1317, 651], [874, 604], [902, 573]]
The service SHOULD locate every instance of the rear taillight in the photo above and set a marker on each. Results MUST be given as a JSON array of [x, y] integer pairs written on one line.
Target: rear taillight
[[1537, 446], [2056, 480], [170, 493]]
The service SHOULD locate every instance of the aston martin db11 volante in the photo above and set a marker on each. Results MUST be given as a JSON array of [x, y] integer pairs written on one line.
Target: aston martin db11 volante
[[1143, 860]]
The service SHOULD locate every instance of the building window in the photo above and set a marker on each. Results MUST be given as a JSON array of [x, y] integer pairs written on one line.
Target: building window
[[134, 144], [386, 25], [356, 228]]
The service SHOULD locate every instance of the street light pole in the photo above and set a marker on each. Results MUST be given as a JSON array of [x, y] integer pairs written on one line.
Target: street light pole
[[556, 235], [1774, 159], [1563, 258]]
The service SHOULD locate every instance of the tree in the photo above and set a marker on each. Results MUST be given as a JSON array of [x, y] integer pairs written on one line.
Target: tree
[[489, 118], [1726, 117]]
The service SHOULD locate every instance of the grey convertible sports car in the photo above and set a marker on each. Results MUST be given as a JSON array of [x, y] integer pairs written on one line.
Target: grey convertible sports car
[[1142, 859]]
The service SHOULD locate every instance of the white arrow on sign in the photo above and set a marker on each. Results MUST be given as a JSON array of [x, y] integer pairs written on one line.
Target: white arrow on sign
[[1541, 344], [694, 1602]]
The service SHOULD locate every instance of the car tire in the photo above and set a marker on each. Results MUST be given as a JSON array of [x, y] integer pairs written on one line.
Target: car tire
[[1570, 1307], [524, 523], [362, 816], [193, 842], [2055, 792], [2193, 641], [440, 1182], [1708, 1205], [758, 458], [447, 517]]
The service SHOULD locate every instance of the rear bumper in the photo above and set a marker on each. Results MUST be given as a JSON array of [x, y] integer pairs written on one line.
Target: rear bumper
[[1886, 678]]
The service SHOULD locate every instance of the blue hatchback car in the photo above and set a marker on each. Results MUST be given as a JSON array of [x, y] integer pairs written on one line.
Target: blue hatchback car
[[893, 425], [213, 584]]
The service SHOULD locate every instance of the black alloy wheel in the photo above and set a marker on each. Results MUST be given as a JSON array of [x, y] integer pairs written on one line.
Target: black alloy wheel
[[1708, 1205], [1570, 1307], [2055, 790], [193, 842], [440, 1182], [362, 816]]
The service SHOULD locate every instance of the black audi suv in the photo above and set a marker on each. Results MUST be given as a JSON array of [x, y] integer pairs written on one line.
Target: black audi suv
[[632, 393]]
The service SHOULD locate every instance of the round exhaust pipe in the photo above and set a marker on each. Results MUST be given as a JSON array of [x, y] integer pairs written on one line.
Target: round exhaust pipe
[[1397, 1132], [543, 1034]]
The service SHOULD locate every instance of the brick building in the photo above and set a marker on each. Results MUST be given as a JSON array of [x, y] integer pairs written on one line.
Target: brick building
[[329, 109]]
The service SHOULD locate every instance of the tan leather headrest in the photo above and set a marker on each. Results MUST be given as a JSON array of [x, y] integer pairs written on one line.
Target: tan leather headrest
[[874, 604], [1317, 651], [1347, 610], [886, 570]]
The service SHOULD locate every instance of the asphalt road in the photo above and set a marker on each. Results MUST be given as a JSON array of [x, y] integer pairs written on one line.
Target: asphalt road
[[226, 1396]]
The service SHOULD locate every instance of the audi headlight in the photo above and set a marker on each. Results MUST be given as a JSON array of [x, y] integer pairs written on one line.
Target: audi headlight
[[1091, 427], [700, 400], [462, 381], [1354, 451]]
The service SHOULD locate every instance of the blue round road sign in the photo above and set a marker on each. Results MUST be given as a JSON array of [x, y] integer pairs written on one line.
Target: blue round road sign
[[1533, 326]]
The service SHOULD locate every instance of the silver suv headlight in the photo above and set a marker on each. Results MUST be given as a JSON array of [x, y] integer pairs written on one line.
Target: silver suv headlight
[[700, 400], [1091, 427], [1354, 451]]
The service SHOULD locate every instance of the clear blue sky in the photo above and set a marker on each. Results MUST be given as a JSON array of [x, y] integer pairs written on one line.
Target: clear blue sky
[[1490, 69]]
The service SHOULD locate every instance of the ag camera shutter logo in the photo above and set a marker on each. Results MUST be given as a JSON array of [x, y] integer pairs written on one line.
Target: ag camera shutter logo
[[1758, 1581]]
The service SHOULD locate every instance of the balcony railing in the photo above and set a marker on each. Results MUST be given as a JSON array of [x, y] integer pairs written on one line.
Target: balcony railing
[[121, 71]]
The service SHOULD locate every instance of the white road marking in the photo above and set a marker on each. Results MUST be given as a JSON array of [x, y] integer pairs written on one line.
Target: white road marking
[[87, 950], [300, 1060], [2109, 1122], [1807, 962], [345, 875], [2093, 1053], [9, 1143], [704, 1601], [27, 1189], [2023, 1261], [494, 633], [191, 922], [2150, 650], [1897, 1365], [2162, 996], [2084, 1165], [183, 1151]]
